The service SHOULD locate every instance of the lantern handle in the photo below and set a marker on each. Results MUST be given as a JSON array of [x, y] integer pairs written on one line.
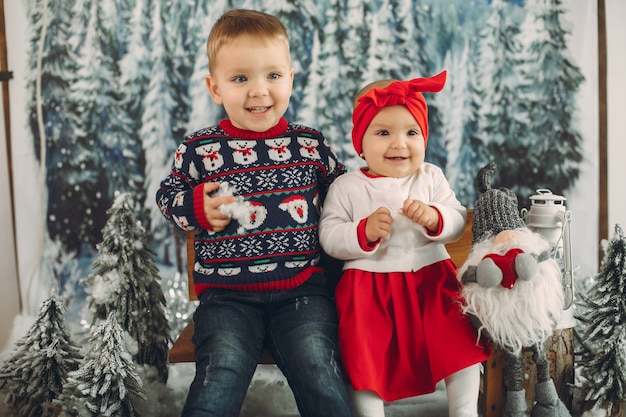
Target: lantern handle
[[544, 191], [568, 266]]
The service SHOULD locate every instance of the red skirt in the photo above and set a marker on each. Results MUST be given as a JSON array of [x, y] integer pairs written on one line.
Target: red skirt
[[400, 333]]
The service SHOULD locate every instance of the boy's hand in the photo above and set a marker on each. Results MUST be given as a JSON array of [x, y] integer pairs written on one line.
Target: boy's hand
[[378, 225], [421, 213], [214, 216]]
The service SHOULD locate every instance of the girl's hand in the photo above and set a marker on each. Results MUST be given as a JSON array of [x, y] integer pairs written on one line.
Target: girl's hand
[[378, 225], [214, 216], [421, 213]]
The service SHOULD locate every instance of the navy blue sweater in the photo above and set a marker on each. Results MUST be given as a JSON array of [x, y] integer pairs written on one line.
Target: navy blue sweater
[[283, 174]]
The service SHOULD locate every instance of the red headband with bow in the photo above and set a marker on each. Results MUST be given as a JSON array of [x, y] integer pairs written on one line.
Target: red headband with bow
[[406, 93]]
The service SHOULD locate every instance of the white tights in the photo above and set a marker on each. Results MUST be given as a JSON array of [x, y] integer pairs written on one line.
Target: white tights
[[461, 387], [368, 404]]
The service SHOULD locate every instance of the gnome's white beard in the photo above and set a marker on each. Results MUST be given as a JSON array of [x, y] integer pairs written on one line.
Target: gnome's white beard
[[527, 313]]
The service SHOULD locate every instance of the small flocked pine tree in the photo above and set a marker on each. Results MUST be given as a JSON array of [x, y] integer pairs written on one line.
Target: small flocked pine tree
[[36, 370], [603, 358], [125, 279], [106, 383]]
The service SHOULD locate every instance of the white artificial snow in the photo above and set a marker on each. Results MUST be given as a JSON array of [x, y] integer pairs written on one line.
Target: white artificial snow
[[106, 289]]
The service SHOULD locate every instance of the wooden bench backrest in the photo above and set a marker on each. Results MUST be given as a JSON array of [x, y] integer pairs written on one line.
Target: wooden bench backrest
[[458, 251]]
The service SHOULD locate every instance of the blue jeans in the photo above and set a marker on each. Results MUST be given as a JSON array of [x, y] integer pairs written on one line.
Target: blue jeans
[[300, 328]]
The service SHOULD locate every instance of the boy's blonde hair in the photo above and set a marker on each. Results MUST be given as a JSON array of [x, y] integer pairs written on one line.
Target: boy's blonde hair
[[241, 23]]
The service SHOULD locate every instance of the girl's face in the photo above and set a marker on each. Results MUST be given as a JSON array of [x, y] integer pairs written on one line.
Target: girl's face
[[393, 144], [252, 79]]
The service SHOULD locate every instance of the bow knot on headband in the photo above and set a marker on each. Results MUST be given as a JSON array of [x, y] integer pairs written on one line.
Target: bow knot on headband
[[407, 93]]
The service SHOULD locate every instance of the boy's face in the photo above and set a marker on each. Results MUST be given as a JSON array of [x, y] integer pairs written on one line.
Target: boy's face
[[393, 144], [253, 81]]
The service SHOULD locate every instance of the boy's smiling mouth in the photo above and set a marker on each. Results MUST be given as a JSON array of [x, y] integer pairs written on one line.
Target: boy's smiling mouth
[[258, 109]]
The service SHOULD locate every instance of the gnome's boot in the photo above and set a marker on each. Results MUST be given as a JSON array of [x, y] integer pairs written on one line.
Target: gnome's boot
[[548, 403], [515, 405]]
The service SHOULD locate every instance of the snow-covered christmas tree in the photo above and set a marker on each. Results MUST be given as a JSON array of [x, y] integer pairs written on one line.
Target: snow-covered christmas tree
[[36, 370], [125, 280], [106, 383], [603, 356]]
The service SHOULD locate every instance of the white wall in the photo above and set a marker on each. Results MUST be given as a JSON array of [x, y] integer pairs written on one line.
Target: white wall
[[9, 296], [616, 109], [26, 172]]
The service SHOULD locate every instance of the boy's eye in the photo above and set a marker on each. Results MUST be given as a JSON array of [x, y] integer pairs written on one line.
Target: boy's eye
[[273, 76], [240, 79]]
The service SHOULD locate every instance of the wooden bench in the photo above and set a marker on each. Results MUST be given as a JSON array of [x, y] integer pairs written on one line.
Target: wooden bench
[[493, 382]]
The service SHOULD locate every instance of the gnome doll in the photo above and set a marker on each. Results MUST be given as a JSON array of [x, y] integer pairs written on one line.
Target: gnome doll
[[512, 292]]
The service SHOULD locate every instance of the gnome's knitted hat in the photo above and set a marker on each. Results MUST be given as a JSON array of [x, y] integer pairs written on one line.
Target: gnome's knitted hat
[[495, 210]]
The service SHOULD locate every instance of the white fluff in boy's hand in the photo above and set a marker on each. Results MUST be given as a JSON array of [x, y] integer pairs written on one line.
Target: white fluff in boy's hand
[[239, 209]]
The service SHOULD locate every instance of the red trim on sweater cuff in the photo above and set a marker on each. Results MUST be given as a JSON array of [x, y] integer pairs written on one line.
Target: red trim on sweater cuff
[[360, 232], [198, 207], [438, 232]]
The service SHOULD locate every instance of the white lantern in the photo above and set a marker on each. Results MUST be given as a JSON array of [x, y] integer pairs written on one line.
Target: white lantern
[[549, 217]]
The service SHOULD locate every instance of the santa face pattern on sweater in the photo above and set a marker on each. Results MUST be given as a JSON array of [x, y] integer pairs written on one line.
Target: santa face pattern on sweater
[[297, 207], [282, 180]]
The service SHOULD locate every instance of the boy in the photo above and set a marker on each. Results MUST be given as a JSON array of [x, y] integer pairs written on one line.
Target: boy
[[257, 280]]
